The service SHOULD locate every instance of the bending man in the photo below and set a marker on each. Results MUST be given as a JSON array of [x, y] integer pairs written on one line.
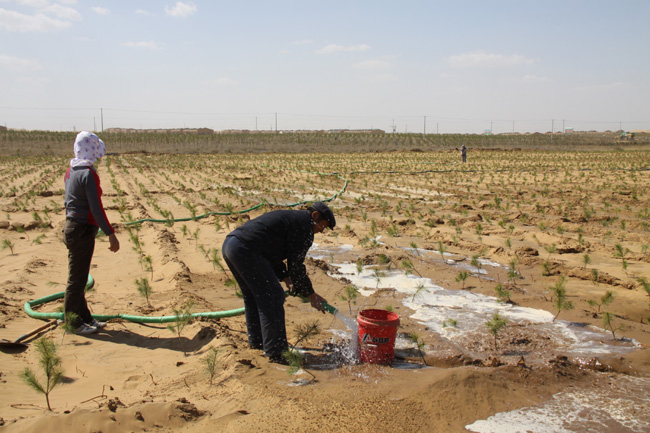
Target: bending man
[[255, 253]]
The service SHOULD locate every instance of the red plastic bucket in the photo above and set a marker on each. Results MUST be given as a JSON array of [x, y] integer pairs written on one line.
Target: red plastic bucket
[[377, 333]]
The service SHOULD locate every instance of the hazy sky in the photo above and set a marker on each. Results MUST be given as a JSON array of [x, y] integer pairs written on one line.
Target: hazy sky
[[447, 66]]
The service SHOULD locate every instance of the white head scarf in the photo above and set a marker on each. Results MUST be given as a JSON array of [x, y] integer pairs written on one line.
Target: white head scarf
[[88, 148]]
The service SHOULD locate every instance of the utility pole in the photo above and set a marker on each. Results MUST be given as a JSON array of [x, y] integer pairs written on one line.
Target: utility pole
[[563, 128], [425, 125], [102, 113], [437, 127], [552, 128]]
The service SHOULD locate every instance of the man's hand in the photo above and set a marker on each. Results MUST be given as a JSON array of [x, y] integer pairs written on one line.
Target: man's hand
[[317, 302], [287, 282], [114, 243]]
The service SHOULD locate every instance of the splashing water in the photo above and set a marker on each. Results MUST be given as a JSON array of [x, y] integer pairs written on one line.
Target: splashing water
[[353, 326]]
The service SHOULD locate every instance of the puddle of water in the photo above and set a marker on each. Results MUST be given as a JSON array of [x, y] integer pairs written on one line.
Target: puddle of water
[[622, 407], [434, 305]]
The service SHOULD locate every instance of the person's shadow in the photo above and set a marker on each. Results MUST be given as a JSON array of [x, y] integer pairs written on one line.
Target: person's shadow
[[171, 342]]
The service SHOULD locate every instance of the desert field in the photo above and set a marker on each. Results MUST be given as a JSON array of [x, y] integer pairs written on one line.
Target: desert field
[[520, 278]]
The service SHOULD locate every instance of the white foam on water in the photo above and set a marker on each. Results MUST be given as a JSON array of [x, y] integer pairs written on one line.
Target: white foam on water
[[623, 407], [434, 305], [325, 252]]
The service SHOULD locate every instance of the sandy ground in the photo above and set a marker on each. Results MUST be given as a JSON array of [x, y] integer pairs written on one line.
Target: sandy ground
[[136, 377]]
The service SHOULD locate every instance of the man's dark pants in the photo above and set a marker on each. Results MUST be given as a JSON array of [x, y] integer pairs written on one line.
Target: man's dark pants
[[80, 240], [263, 297]]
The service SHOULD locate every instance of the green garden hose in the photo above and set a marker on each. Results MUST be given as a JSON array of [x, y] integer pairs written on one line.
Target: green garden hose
[[128, 317], [167, 319]]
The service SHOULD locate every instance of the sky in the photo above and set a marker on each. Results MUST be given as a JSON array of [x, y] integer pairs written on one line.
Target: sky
[[463, 66]]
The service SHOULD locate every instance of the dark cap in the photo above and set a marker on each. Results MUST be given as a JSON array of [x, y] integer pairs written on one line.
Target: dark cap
[[325, 212]]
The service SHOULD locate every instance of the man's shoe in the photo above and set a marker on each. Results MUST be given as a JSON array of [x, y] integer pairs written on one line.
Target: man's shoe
[[278, 359], [98, 325], [85, 329]]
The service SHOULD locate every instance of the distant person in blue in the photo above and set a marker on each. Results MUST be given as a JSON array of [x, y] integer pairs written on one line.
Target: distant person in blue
[[463, 153], [256, 253], [84, 215]]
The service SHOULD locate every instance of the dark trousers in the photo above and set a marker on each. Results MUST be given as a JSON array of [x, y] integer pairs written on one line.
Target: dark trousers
[[263, 297], [80, 240]]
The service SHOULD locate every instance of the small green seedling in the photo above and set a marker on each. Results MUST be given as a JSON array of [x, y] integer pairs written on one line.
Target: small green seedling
[[419, 343], [450, 323], [606, 299], [68, 319], [608, 323], [306, 330], [645, 285], [296, 362], [420, 290], [6, 243], [378, 275], [51, 363], [210, 360], [350, 296], [477, 264], [182, 318], [503, 294], [495, 325], [461, 277], [144, 288], [359, 266], [559, 297]]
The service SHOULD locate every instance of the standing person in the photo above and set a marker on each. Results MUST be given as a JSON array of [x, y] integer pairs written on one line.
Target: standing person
[[255, 253], [463, 153], [84, 215]]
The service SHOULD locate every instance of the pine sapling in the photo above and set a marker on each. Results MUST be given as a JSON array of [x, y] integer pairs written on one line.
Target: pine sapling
[[51, 364], [608, 323], [359, 266], [450, 323], [6, 243], [182, 318], [210, 360], [147, 264], [409, 268], [461, 277], [419, 344], [296, 362], [305, 330], [559, 297], [421, 289], [595, 276], [442, 250], [350, 296], [378, 275], [494, 326], [606, 299], [503, 294], [645, 285], [67, 326], [144, 288], [477, 264]]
